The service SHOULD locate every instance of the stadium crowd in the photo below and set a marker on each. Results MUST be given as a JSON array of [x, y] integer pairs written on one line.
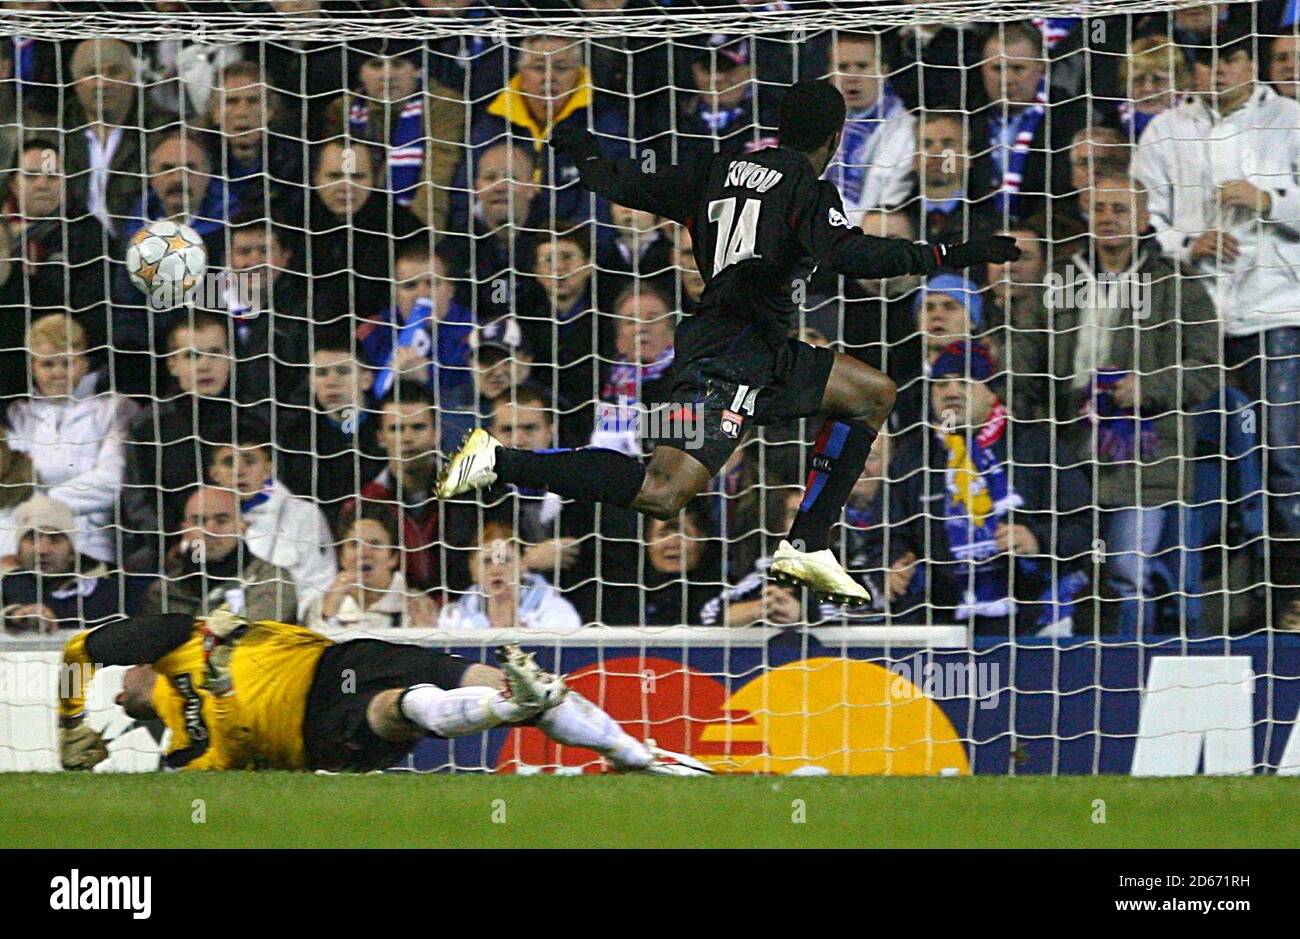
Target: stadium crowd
[[1103, 436]]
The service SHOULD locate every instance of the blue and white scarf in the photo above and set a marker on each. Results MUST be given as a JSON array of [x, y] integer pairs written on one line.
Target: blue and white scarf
[[626, 377], [1054, 28], [618, 416], [416, 333], [849, 169], [977, 500], [258, 498], [405, 146], [718, 121], [1011, 141], [449, 352]]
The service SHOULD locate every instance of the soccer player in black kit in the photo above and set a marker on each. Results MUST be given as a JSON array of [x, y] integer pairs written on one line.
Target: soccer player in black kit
[[758, 222]]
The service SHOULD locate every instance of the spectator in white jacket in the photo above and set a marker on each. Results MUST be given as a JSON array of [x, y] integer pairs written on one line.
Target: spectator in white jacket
[[181, 73], [1222, 171], [280, 528], [16, 478], [875, 157], [503, 596], [72, 435], [370, 591]]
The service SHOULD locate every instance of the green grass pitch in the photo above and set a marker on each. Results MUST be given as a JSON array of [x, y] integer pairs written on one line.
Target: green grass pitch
[[438, 811]]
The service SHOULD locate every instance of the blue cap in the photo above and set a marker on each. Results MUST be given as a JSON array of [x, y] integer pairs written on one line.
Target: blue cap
[[957, 287]]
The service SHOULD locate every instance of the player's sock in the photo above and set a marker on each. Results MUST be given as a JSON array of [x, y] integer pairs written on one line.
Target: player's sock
[[456, 712], [590, 474], [838, 459], [576, 722]]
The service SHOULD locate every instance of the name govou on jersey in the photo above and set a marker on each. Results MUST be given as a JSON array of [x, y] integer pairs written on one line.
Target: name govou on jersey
[[752, 176]]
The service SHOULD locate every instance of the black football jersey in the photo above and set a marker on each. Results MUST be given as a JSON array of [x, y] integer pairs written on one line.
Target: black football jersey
[[760, 223]]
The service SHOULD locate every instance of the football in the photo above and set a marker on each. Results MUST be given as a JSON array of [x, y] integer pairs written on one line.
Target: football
[[166, 258]]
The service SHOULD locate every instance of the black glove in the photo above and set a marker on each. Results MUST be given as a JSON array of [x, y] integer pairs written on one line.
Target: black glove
[[576, 143], [986, 249]]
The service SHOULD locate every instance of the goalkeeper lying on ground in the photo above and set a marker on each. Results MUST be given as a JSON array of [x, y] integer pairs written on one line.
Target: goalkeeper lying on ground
[[267, 695]]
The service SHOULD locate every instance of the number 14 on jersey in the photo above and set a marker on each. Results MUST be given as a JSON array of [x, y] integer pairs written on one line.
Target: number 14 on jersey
[[737, 235]]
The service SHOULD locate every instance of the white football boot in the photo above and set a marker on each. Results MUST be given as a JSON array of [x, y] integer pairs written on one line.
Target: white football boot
[[668, 763], [473, 466], [819, 571], [530, 687]]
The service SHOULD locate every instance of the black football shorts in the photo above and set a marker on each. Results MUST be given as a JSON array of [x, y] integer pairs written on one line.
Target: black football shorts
[[726, 377], [336, 735]]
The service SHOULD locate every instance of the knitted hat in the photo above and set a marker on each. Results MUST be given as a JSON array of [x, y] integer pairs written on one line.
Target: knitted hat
[[41, 513], [957, 287], [964, 360]]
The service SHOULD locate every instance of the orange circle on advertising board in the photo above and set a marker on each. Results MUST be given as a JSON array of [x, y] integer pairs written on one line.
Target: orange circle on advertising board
[[849, 717]]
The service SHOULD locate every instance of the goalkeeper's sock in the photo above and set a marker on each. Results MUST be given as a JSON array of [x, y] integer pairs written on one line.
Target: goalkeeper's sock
[[457, 712], [576, 722], [838, 460], [590, 474]]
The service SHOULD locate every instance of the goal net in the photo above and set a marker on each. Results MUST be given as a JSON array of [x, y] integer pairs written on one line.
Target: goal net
[[1080, 524]]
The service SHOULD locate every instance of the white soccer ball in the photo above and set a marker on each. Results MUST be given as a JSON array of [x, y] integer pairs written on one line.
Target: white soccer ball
[[166, 258]]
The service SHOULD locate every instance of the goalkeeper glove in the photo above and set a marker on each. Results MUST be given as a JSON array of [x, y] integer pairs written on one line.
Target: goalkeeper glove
[[223, 623], [221, 630], [80, 747], [985, 249], [576, 143]]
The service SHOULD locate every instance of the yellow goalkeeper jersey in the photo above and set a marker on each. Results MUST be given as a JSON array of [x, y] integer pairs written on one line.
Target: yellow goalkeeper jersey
[[258, 727]]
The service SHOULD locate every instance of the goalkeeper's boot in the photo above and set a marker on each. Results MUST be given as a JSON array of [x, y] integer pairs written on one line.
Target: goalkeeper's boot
[[668, 763], [220, 632], [530, 687], [473, 466], [819, 571]]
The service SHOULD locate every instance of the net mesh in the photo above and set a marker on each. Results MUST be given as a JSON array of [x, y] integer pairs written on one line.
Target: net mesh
[[394, 257]]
